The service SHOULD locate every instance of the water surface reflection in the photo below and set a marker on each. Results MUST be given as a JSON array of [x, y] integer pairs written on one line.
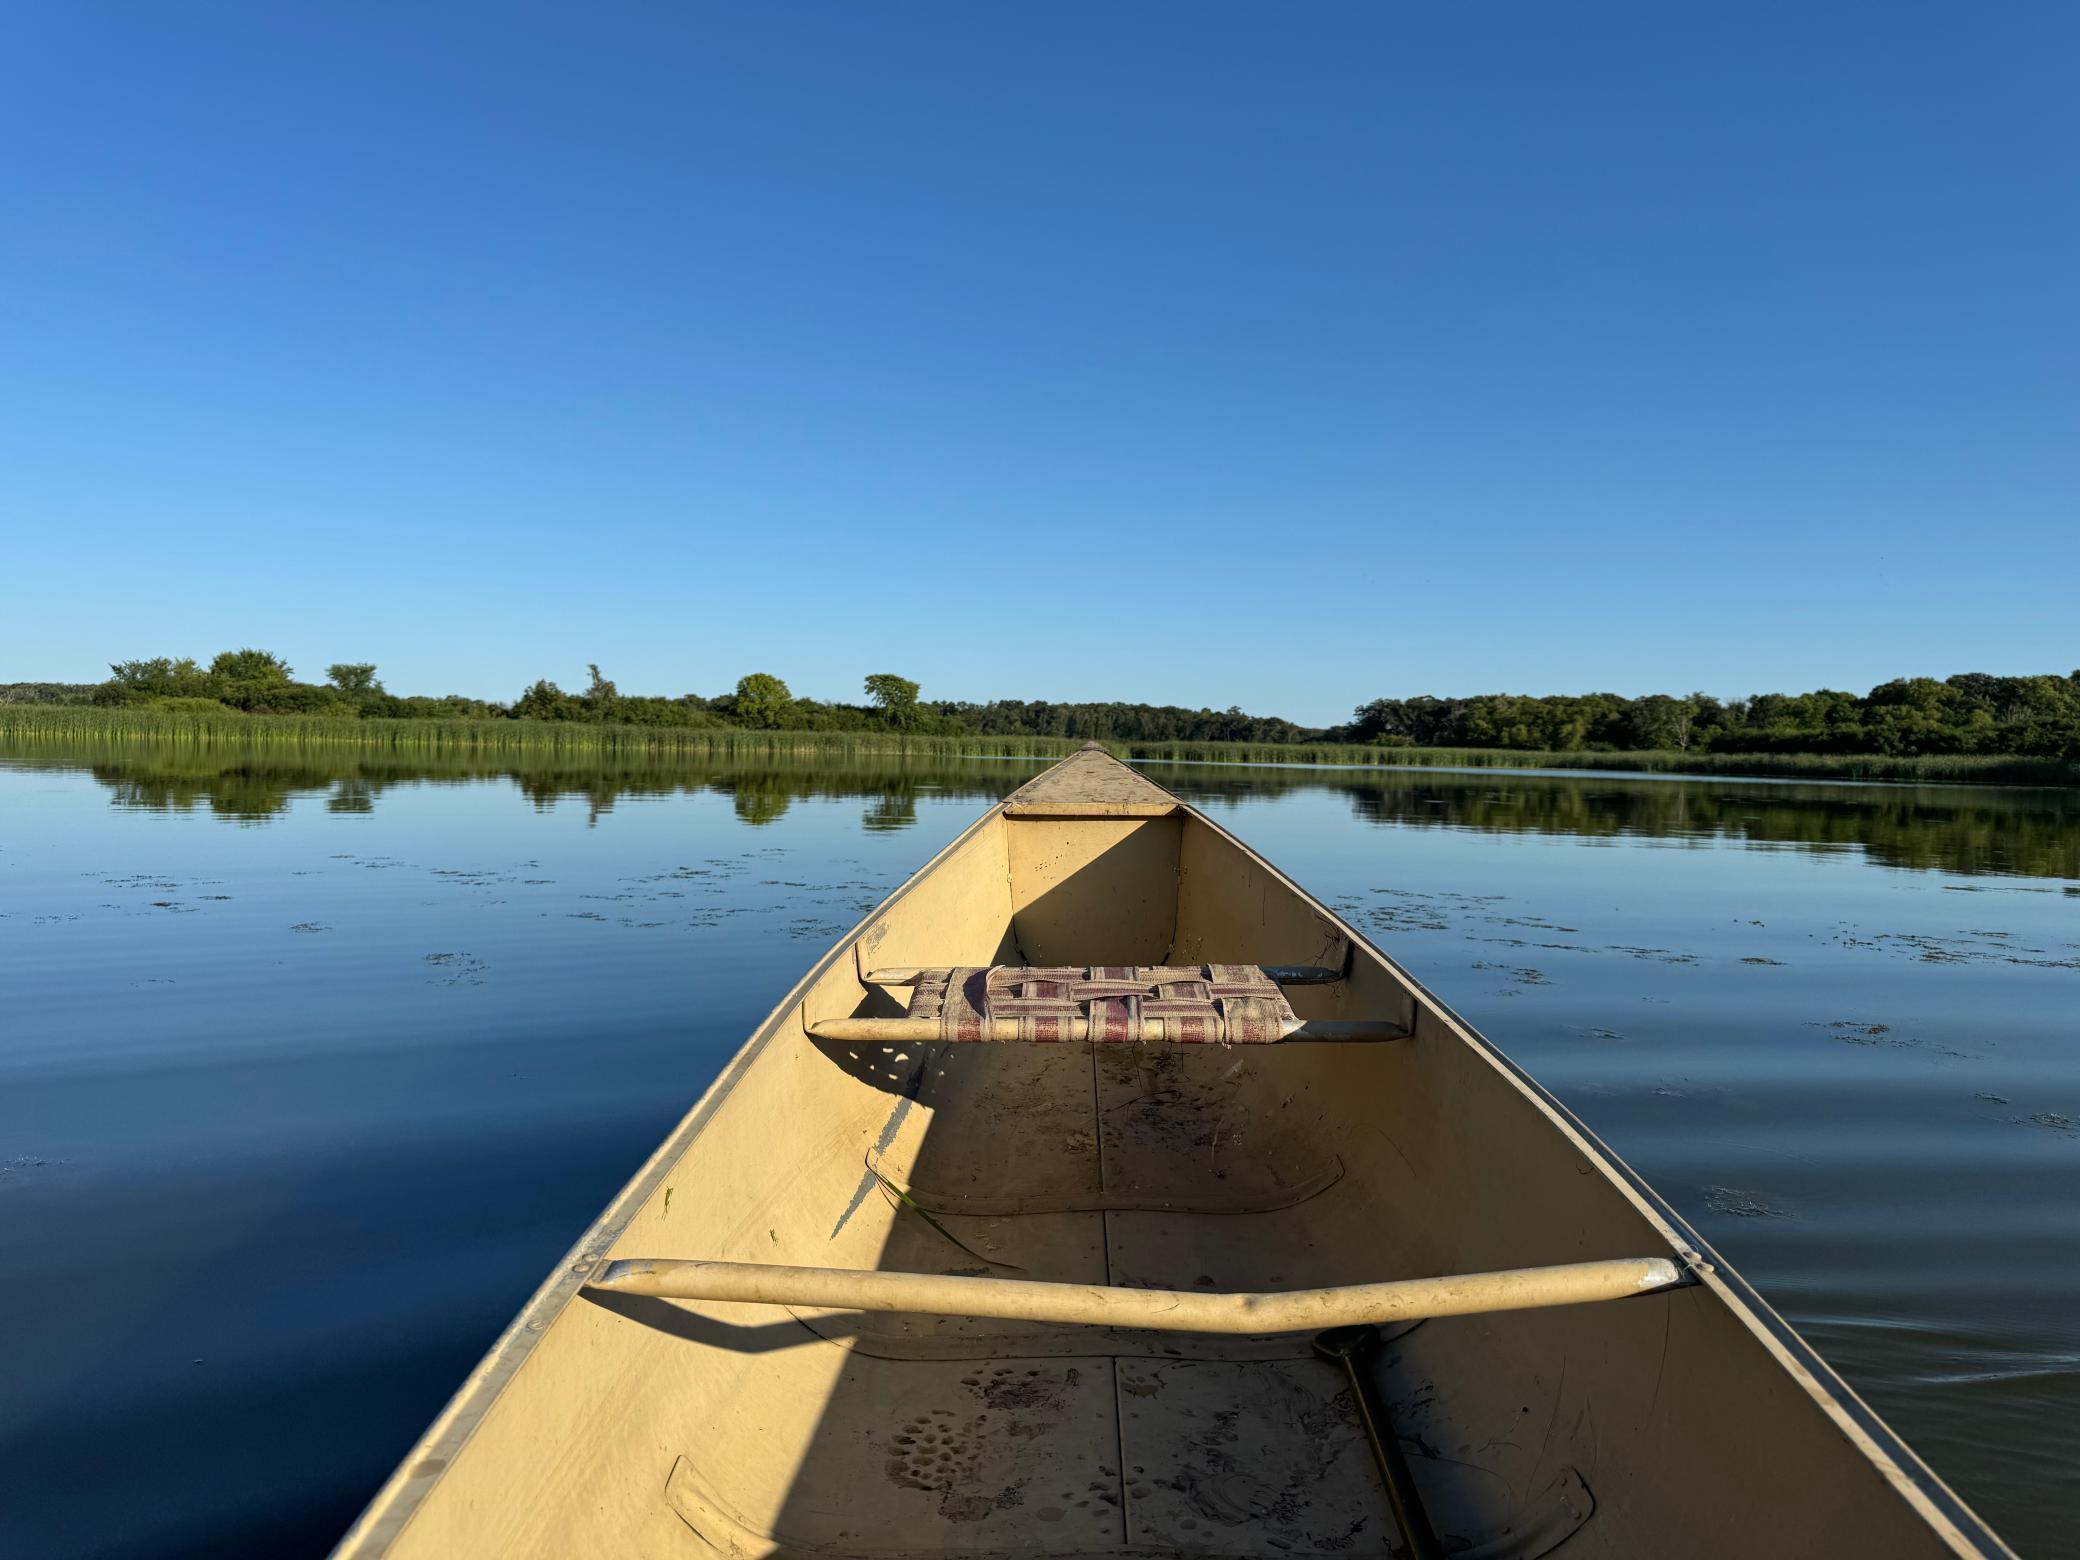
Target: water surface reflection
[[2032, 832]]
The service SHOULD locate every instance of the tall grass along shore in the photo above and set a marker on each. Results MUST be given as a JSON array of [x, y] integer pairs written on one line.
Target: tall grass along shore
[[231, 727], [48, 724]]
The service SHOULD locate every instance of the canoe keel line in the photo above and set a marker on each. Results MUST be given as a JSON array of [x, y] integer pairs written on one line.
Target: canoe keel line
[[1174, 1288]]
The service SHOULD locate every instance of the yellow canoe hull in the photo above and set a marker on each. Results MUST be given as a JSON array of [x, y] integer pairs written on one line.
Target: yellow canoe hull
[[1691, 1421]]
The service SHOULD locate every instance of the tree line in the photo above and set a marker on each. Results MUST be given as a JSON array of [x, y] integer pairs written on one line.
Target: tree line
[[259, 682], [1973, 713]]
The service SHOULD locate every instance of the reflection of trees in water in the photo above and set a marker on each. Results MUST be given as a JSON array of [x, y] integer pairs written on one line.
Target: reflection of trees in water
[[2034, 833], [759, 799], [239, 792], [895, 808], [352, 795], [1952, 828], [253, 787]]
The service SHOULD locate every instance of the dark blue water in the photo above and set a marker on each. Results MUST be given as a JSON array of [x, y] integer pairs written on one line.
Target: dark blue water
[[308, 1073]]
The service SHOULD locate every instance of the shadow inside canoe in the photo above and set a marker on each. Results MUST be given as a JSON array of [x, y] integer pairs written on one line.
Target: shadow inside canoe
[[765, 1338]]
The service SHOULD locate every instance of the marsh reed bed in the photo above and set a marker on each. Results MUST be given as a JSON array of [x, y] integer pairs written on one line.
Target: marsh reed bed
[[88, 725], [1935, 769], [75, 725]]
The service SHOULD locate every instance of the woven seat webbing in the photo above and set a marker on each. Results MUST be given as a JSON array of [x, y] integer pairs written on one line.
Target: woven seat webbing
[[1206, 1004]]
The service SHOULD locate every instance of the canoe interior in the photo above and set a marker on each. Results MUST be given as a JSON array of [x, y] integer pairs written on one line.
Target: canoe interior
[[629, 1426]]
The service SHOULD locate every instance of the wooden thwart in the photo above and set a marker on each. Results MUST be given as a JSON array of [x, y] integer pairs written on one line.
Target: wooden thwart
[[1162, 1310], [1152, 1030]]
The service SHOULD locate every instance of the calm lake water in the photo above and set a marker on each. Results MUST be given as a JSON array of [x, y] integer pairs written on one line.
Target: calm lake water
[[309, 1070]]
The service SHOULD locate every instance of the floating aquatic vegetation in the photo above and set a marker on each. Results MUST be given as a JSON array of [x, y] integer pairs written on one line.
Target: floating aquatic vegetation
[[459, 969], [1739, 1204]]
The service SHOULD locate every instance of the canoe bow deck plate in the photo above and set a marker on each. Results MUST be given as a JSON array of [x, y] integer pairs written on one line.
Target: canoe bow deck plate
[[1090, 784]]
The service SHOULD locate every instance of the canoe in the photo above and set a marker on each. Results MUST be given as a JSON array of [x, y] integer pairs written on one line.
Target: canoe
[[1103, 1193]]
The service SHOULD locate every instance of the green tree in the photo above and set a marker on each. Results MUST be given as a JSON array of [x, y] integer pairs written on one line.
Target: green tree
[[896, 697], [763, 701], [545, 701], [160, 677], [259, 668], [1914, 715], [1661, 724], [601, 696], [356, 679], [251, 679]]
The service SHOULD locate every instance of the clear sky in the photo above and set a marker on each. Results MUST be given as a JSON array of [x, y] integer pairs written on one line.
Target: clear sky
[[1278, 355]]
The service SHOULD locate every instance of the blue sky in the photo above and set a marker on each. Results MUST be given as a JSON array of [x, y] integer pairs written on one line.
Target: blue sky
[[1199, 353]]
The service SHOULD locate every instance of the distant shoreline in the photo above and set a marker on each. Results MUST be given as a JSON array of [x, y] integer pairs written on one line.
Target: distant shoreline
[[89, 726]]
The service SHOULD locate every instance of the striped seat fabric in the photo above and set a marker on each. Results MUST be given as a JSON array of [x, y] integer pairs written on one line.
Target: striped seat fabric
[[1206, 1004]]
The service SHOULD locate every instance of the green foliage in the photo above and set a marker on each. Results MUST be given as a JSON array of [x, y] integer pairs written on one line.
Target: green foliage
[[896, 698], [46, 693], [259, 668], [161, 677], [600, 695], [543, 700], [262, 683], [763, 702], [483, 733], [451, 706], [1663, 724], [2004, 769], [1120, 722], [1972, 716], [257, 681], [355, 679], [687, 711], [191, 706], [289, 698], [602, 703], [484, 738], [1918, 717]]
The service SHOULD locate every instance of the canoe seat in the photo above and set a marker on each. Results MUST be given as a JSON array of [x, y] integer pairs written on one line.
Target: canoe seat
[[1204, 1004], [1197, 1004]]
